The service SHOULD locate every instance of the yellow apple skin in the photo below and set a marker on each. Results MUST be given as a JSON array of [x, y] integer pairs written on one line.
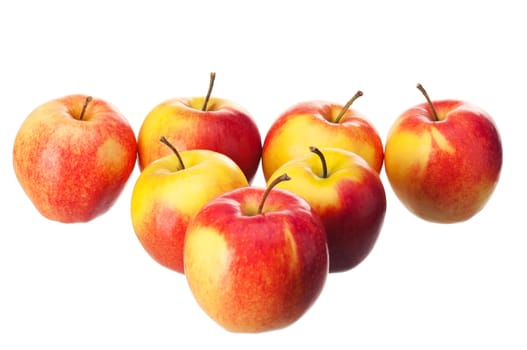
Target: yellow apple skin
[[444, 171], [253, 272], [166, 197], [225, 127], [350, 200], [313, 123], [74, 170]]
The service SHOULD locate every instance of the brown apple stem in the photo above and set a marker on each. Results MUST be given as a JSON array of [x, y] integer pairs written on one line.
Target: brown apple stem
[[322, 160], [207, 98], [283, 177], [423, 91], [88, 100], [166, 142], [347, 106]]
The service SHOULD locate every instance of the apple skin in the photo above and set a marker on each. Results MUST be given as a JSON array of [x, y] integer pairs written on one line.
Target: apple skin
[[350, 201], [73, 170], [225, 127], [444, 171], [255, 272], [166, 197], [313, 123]]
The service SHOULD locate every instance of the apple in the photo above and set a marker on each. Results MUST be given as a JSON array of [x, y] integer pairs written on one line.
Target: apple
[[207, 122], [255, 259], [170, 191], [73, 156], [443, 159], [346, 193], [325, 124]]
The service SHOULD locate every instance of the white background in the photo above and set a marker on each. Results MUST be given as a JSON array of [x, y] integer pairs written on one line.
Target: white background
[[424, 286]]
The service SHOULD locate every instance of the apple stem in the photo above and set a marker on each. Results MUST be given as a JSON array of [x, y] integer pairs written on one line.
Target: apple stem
[[166, 142], [211, 84], [88, 100], [423, 91], [322, 160], [283, 177], [347, 106]]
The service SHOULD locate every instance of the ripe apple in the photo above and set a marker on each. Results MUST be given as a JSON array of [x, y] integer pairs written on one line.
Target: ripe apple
[[325, 124], [72, 156], [255, 259], [347, 194], [443, 159], [170, 191], [210, 123]]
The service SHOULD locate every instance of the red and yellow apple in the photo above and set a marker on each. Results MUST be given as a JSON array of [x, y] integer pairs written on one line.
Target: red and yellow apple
[[325, 124], [170, 191], [346, 193], [73, 156], [443, 159], [207, 122], [255, 259]]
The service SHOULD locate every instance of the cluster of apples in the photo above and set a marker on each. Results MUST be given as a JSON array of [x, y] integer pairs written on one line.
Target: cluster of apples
[[256, 258]]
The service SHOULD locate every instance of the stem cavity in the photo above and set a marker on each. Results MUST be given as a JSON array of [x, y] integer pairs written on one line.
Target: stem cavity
[[283, 177], [166, 142]]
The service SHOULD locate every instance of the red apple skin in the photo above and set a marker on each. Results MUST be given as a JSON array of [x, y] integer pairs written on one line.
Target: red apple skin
[[256, 272], [225, 127], [74, 170], [350, 201], [351, 238], [444, 171], [313, 123]]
